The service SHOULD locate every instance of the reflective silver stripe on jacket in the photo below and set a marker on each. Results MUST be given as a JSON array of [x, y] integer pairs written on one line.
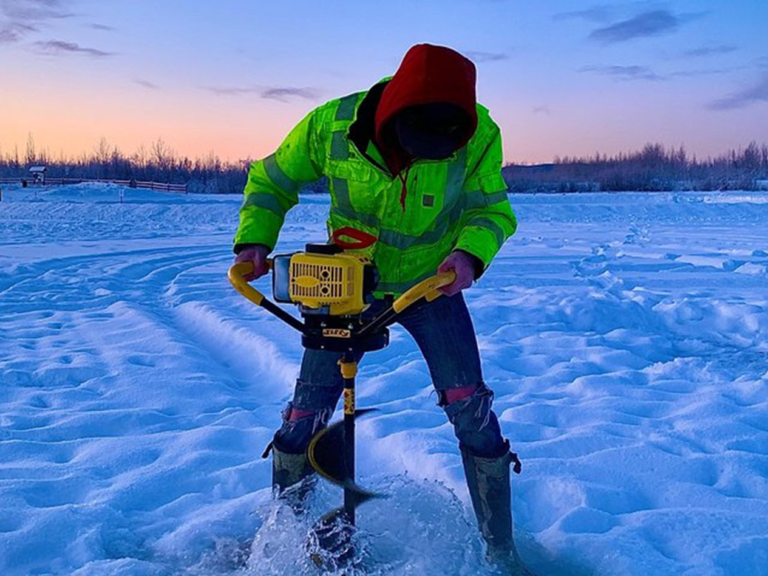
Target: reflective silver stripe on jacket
[[265, 200], [278, 177]]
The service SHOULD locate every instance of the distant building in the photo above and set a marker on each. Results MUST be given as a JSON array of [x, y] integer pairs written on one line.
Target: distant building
[[38, 174]]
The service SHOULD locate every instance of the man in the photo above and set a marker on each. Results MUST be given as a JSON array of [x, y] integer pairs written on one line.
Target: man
[[416, 163]]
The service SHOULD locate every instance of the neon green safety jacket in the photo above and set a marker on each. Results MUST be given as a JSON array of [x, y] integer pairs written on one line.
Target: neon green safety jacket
[[458, 203]]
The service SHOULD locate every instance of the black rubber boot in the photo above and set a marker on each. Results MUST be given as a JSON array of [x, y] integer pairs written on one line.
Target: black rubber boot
[[292, 477], [488, 480]]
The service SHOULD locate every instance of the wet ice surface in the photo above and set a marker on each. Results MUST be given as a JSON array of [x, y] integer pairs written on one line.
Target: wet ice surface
[[624, 335]]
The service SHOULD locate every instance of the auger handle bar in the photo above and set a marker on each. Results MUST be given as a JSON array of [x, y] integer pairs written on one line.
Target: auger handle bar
[[235, 275]]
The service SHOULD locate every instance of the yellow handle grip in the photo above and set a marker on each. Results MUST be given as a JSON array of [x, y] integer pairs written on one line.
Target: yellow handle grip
[[235, 275], [425, 289]]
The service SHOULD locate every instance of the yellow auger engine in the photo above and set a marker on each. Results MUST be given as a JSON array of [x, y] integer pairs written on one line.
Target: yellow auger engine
[[332, 288], [324, 280]]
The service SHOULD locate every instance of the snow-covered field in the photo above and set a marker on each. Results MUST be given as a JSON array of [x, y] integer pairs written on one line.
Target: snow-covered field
[[624, 335]]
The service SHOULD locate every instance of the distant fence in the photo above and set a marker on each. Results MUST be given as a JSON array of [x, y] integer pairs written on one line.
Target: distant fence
[[180, 188]]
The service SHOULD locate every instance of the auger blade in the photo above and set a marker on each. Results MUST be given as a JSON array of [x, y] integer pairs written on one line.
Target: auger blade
[[326, 456]]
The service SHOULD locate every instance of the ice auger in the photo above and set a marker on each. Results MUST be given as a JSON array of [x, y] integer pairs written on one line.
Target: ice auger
[[333, 285]]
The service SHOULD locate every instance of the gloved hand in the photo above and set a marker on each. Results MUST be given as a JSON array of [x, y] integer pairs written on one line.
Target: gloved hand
[[258, 255], [462, 264]]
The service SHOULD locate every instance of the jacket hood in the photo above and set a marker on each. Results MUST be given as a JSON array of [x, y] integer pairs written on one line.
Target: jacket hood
[[428, 74]]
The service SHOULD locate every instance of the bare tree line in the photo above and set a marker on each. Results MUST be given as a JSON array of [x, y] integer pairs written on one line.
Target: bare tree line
[[654, 168], [157, 163]]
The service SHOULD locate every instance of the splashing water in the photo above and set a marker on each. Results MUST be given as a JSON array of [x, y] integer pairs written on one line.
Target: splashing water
[[419, 529]]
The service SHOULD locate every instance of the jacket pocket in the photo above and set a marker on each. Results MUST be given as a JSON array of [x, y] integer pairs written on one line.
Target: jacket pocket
[[356, 191]]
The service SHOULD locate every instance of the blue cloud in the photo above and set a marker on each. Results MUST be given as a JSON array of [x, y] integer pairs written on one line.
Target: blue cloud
[[146, 84], [754, 94], [280, 93], [647, 24], [61, 48], [14, 32], [625, 72], [707, 51], [34, 10], [486, 56], [19, 18]]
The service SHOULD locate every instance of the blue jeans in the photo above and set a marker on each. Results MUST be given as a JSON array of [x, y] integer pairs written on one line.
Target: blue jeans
[[445, 335]]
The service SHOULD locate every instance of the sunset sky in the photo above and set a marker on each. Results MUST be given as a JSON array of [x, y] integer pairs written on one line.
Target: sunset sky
[[231, 77]]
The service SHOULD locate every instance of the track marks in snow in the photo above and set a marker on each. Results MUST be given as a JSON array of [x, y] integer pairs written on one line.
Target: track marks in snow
[[252, 358], [624, 337], [102, 358], [630, 379]]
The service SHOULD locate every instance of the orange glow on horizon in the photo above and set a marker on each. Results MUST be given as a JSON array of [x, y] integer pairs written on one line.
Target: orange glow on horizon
[[193, 125], [197, 124]]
